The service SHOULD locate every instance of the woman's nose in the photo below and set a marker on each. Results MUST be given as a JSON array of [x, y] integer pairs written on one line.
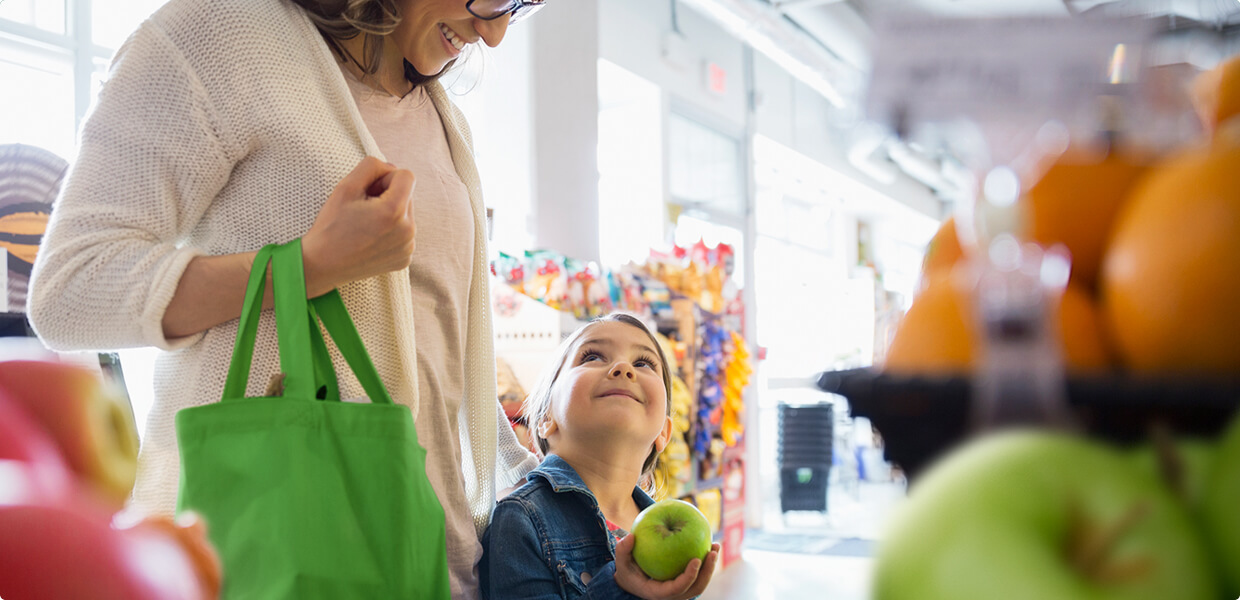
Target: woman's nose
[[623, 370], [492, 31]]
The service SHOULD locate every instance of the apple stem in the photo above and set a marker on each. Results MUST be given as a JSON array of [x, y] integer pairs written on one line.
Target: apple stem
[[1091, 547], [1170, 462]]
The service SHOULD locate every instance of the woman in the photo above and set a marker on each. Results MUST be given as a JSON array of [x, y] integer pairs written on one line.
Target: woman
[[226, 125]]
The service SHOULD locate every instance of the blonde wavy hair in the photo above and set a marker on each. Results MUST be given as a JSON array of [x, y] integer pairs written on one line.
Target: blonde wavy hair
[[346, 19]]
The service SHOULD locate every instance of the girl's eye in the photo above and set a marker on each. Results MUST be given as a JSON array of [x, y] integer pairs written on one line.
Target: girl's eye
[[590, 355], [645, 362]]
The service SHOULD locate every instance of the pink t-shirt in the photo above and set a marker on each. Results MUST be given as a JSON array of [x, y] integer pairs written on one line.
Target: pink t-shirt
[[411, 136]]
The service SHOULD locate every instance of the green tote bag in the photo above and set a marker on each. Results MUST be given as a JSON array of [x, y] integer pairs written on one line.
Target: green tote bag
[[306, 496]]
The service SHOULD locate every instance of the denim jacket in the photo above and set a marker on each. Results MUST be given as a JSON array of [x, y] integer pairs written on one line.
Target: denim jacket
[[549, 539]]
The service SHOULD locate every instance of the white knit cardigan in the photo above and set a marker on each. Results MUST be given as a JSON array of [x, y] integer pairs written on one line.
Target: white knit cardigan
[[224, 125]]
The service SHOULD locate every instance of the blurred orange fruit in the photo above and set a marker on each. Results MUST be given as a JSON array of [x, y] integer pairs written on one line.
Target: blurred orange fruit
[[1075, 204], [1216, 93], [1081, 331], [937, 335], [943, 251], [1171, 280]]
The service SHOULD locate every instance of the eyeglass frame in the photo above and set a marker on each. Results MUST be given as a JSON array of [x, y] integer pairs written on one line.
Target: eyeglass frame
[[515, 10]]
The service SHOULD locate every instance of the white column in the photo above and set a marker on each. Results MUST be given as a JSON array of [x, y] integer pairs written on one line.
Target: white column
[[564, 92]]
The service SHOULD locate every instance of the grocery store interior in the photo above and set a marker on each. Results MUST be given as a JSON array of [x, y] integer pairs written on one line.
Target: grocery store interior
[[869, 233]]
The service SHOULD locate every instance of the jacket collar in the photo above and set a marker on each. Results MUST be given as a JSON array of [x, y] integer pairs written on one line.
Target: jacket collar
[[562, 477]]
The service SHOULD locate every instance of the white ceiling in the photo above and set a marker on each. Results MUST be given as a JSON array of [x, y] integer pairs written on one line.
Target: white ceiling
[[978, 8], [843, 27]]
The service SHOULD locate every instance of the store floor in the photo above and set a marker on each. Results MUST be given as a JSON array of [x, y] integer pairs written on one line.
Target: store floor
[[812, 555]]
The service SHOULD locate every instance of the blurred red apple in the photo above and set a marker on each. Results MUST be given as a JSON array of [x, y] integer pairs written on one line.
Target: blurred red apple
[[89, 421], [31, 468], [68, 551]]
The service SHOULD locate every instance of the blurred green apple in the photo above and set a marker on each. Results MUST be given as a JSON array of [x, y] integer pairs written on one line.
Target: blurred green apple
[[1220, 508], [667, 535], [1183, 465], [1029, 515]]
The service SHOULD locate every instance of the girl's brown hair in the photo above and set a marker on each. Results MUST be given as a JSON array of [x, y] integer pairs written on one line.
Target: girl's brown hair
[[346, 19], [538, 403]]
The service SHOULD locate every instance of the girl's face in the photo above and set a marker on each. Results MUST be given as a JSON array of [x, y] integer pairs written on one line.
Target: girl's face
[[431, 33], [611, 384]]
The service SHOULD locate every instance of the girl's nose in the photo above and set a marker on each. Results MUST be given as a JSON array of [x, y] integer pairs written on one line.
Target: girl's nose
[[623, 370]]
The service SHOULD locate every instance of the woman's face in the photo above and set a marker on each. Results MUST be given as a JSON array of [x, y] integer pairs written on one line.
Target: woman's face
[[433, 32]]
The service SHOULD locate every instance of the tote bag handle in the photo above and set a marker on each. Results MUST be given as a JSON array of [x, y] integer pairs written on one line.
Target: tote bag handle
[[301, 345]]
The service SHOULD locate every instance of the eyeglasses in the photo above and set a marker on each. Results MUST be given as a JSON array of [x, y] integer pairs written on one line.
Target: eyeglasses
[[494, 9]]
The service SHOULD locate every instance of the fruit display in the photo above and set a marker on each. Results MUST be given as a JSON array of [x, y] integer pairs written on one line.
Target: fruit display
[[1130, 487], [67, 461], [667, 535]]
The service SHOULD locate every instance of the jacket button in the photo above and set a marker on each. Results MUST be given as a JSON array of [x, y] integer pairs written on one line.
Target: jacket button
[[585, 578]]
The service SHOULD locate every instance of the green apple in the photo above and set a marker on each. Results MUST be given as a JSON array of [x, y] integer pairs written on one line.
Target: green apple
[[1032, 515], [1183, 465], [1220, 508], [667, 535]]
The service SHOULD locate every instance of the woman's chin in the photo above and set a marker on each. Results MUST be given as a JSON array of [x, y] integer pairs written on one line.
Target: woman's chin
[[430, 68]]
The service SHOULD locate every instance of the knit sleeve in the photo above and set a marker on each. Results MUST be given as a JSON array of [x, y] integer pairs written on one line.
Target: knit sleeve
[[513, 461], [150, 162]]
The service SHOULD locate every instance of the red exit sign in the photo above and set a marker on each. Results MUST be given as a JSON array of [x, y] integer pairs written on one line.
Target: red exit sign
[[716, 78]]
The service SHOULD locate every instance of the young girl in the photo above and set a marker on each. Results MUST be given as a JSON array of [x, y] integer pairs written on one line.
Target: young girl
[[600, 415]]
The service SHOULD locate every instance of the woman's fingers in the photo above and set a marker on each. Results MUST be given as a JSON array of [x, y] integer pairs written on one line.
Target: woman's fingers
[[367, 173], [380, 185], [400, 192]]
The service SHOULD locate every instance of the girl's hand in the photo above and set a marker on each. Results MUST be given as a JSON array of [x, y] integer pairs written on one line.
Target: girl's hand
[[365, 229], [691, 583]]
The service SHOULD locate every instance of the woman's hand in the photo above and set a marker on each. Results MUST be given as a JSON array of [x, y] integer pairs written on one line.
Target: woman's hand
[[365, 229], [688, 584]]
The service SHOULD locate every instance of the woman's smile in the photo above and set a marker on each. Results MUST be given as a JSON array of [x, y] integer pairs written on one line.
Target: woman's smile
[[453, 43]]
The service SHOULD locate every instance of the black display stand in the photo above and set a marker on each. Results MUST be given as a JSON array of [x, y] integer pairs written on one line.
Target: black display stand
[[921, 418]]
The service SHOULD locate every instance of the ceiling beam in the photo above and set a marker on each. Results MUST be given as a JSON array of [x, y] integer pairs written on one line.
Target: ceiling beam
[[782, 4]]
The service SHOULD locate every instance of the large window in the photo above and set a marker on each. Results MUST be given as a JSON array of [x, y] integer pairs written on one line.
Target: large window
[[632, 215], [704, 167], [53, 57]]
